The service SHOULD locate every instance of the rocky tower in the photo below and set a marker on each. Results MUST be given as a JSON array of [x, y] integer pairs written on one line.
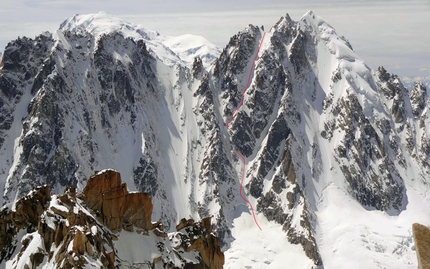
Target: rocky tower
[[321, 133]]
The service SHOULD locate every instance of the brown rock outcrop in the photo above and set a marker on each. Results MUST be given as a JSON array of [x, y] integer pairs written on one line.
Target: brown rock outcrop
[[109, 198], [75, 231], [26, 215], [422, 245], [203, 241]]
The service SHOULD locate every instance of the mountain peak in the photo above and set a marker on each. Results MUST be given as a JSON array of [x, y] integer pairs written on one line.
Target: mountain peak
[[103, 23], [171, 50], [311, 17], [309, 13]]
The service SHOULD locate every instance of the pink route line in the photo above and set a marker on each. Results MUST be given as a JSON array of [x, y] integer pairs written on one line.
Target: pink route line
[[228, 128]]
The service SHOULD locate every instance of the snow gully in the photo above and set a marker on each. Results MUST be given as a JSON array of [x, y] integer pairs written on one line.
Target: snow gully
[[251, 71]]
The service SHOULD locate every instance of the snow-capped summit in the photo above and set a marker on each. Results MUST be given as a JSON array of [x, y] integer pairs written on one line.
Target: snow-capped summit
[[332, 155], [171, 50], [189, 46], [104, 23]]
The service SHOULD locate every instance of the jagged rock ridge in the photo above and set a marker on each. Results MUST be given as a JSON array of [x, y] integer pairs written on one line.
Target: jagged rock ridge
[[92, 229]]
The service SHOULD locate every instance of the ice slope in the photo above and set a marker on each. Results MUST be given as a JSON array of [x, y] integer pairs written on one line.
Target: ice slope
[[268, 248], [350, 234]]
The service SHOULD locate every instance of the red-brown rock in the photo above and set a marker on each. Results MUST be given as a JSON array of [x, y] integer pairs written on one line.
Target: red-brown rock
[[109, 198]]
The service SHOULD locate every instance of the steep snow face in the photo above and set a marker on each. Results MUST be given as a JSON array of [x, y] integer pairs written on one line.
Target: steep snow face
[[315, 123]]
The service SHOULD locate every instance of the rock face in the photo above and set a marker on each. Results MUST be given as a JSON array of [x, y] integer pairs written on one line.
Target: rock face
[[79, 230], [107, 195], [422, 245], [202, 240], [25, 216]]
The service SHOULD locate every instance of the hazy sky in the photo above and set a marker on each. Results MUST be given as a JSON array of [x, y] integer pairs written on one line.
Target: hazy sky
[[394, 34]]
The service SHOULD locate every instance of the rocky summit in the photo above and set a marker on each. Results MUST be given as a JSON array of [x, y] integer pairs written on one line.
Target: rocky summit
[[100, 227], [336, 154]]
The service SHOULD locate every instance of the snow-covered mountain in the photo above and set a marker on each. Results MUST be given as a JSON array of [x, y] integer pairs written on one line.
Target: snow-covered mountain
[[409, 82], [336, 154], [170, 50]]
